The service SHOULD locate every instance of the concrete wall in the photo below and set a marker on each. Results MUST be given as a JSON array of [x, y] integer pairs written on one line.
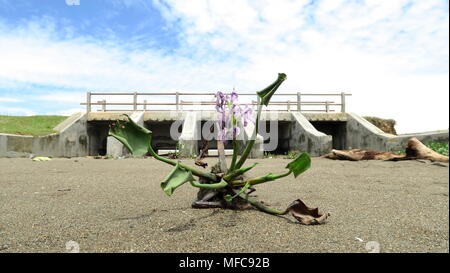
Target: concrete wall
[[362, 134], [76, 137], [305, 138], [71, 140]]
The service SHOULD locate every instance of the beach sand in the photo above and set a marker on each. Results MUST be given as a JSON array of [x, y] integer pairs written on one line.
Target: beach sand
[[108, 205]]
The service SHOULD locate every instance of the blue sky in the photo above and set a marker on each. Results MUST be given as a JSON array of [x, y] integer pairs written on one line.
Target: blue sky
[[391, 55]]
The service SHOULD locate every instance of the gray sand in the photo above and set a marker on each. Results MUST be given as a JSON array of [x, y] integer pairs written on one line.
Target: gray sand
[[118, 206]]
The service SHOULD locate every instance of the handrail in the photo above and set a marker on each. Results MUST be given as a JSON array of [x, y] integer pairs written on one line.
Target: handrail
[[298, 102]]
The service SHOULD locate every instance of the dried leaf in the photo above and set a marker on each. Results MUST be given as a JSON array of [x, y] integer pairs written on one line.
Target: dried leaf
[[306, 215]]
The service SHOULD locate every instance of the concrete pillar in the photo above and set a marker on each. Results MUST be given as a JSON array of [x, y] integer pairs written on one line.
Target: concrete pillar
[[114, 147], [305, 138], [88, 102], [342, 102], [190, 134]]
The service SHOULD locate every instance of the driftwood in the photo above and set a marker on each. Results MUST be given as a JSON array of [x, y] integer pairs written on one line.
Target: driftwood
[[414, 150], [203, 154]]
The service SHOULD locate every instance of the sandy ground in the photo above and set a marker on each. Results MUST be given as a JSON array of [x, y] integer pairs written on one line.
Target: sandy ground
[[118, 206]]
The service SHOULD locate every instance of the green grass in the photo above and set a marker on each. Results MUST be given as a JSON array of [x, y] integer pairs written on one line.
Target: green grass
[[31, 125], [438, 147]]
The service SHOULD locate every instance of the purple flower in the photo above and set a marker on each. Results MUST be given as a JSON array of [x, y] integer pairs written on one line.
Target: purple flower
[[230, 112], [246, 115], [234, 97]]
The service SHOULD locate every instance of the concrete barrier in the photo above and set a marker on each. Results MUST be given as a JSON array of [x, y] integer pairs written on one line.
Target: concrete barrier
[[73, 138], [70, 140], [306, 138], [362, 134]]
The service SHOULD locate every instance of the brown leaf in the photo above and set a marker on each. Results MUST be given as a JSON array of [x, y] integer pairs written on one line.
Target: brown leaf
[[306, 215]]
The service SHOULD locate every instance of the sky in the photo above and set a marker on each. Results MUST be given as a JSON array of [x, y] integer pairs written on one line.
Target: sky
[[392, 56]]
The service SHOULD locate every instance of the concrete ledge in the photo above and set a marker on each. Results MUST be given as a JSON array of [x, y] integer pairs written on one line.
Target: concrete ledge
[[362, 134], [306, 138], [65, 124]]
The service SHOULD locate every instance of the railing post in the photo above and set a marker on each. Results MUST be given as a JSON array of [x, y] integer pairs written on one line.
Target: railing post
[[177, 100], [88, 102], [145, 105], [327, 107], [343, 102], [103, 105], [299, 101], [135, 101], [288, 106]]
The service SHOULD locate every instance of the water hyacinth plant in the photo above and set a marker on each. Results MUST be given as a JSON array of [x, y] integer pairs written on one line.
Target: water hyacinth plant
[[223, 186]]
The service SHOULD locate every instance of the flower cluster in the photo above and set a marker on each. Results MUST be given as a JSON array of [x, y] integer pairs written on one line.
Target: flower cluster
[[230, 112]]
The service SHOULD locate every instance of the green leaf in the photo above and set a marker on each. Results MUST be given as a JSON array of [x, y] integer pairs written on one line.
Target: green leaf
[[299, 164], [228, 197], [267, 92], [136, 138], [176, 178]]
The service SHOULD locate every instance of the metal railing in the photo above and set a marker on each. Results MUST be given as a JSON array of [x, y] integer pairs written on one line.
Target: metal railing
[[297, 104]]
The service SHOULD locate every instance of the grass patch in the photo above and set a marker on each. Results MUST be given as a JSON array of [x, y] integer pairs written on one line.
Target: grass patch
[[438, 147], [386, 125], [30, 125]]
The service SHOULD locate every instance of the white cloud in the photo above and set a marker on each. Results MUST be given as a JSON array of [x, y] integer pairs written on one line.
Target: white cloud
[[62, 97], [392, 55], [71, 111], [9, 111], [2, 99]]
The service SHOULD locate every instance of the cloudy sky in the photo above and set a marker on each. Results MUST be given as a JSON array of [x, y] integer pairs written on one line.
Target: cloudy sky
[[392, 56]]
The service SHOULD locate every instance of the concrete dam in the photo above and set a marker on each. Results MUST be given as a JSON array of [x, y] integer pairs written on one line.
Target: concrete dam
[[86, 134]]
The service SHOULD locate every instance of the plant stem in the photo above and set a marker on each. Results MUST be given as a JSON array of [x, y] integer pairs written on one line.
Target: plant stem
[[233, 160], [250, 144], [260, 205], [194, 171], [231, 175], [262, 179], [220, 185]]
